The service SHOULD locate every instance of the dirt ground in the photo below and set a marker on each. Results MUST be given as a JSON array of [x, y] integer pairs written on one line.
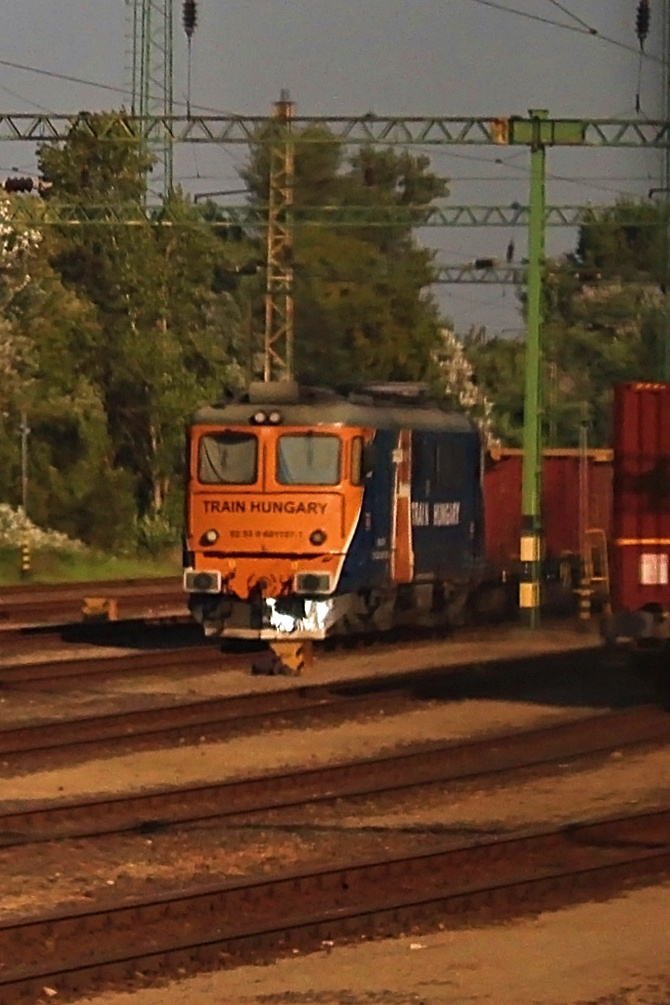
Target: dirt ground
[[614, 953], [611, 953]]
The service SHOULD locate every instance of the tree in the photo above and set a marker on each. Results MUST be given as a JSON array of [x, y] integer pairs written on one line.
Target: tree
[[603, 311], [498, 369], [362, 305], [458, 384], [164, 332], [603, 317], [73, 480], [18, 248]]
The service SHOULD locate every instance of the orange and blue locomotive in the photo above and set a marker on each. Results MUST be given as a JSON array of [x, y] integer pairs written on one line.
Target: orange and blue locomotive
[[311, 512]]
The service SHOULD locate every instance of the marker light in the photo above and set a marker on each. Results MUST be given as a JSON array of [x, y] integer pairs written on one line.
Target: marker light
[[210, 536]]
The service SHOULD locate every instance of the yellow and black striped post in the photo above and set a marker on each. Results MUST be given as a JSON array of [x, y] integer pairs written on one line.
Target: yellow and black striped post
[[25, 559], [529, 586], [585, 591]]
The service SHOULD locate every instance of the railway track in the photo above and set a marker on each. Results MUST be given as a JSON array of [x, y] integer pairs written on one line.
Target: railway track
[[220, 717], [33, 641], [390, 773], [57, 672], [229, 923], [167, 647], [44, 604]]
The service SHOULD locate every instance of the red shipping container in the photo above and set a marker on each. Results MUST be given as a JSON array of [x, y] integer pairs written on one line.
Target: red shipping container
[[641, 518], [561, 501]]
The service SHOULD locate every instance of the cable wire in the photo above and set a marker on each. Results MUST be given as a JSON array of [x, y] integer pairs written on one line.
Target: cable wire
[[14, 94], [564, 10], [567, 27], [531, 17], [96, 83], [63, 76]]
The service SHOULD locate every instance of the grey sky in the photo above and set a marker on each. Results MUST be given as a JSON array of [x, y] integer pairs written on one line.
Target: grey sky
[[424, 57]]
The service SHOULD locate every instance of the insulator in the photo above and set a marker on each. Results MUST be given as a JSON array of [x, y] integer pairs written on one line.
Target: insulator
[[19, 184], [642, 20], [189, 17]]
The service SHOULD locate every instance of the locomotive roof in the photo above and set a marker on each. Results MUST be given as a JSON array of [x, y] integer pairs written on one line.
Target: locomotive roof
[[392, 408]]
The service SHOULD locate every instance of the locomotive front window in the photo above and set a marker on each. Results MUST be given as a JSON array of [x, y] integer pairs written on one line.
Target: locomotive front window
[[228, 458], [312, 459]]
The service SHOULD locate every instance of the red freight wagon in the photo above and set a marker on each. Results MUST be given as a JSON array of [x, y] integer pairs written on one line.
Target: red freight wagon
[[641, 517], [564, 492]]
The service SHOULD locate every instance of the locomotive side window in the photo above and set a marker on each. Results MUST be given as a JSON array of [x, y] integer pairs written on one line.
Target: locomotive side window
[[228, 458], [357, 460], [422, 468], [440, 464], [311, 459], [450, 464]]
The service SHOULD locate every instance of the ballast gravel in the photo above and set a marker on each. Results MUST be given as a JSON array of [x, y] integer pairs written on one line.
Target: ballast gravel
[[613, 953]]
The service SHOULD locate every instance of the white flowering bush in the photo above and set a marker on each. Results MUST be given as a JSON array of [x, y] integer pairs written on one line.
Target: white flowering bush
[[14, 242], [16, 529], [17, 247], [155, 534], [459, 383]]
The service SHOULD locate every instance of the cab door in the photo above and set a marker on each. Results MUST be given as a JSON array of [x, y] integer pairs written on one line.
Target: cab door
[[446, 502]]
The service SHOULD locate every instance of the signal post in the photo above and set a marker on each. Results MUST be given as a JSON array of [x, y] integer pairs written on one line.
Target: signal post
[[537, 132]]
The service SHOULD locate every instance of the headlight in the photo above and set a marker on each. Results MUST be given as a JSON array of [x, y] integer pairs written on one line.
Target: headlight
[[259, 418], [312, 582], [210, 536], [274, 417]]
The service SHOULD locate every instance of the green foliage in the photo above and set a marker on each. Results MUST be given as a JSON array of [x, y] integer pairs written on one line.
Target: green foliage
[[360, 292], [122, 331], [157, 535], [604, 322], [59, 567], [604, 318], [96, 171], [160, 336], [498, 363]]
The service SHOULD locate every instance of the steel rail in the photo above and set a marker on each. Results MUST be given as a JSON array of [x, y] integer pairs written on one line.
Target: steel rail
[[115, 587], [58, 671], [228, 923], [427, 764], [43, 604]]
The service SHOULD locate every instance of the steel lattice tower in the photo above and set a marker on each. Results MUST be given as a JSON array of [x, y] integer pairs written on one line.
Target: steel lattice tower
[[150, 37], [279, 307]]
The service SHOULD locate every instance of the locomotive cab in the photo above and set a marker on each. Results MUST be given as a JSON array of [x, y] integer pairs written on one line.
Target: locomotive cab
[[272, 505]]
